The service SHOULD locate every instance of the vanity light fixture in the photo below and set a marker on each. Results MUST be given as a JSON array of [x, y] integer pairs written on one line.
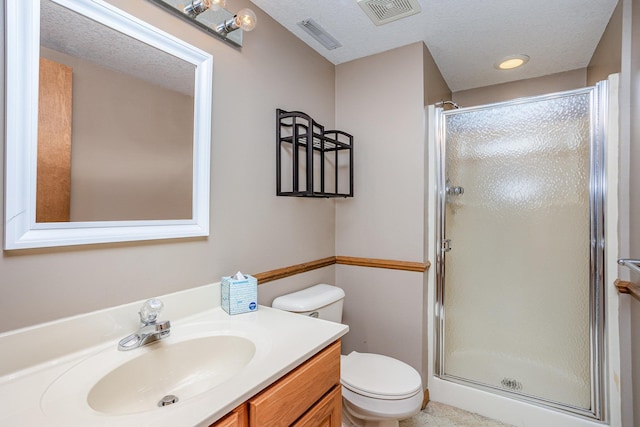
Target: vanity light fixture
[[213, 17], [512, 61], [245, 19]]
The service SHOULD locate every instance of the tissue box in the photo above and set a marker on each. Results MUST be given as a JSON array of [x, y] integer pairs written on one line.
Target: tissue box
[[239, 296]]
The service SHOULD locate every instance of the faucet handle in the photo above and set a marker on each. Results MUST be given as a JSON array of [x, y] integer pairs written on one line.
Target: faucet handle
[[150, 310]]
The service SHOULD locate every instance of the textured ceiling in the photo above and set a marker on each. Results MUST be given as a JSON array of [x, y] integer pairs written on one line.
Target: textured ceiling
[[65, 31], [465, 37]]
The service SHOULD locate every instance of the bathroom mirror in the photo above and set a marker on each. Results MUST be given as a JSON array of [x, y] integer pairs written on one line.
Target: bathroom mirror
[[133, 164]]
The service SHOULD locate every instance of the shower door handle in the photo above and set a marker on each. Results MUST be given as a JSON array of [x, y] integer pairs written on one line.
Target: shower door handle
[[446, 245], [455, 191]]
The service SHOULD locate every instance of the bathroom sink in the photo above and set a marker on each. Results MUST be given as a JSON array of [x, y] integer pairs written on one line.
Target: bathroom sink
[[170, 373]]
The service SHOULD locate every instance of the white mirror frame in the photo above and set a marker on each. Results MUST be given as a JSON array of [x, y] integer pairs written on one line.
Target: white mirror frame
[[22, 40]]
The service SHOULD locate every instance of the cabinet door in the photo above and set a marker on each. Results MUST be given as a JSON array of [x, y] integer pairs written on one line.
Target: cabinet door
[[291, 397], [326, 413], [238, 418]]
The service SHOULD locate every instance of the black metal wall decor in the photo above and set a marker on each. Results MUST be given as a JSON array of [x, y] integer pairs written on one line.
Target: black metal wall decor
[[311, 161]]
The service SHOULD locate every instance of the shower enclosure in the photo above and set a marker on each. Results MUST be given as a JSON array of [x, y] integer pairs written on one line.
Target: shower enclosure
[[520, 249]]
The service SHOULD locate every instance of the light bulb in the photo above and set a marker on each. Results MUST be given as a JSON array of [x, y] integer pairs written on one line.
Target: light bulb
[[218, 4], [511, 62], [245, 19]]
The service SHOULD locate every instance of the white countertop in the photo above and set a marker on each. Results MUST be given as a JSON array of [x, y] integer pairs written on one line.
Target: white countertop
[[44, 389]]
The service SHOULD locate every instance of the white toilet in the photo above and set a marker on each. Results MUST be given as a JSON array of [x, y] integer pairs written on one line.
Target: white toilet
[[377, 391]]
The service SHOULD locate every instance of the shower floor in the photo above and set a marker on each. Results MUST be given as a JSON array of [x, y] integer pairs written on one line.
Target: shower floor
[[440, 415]]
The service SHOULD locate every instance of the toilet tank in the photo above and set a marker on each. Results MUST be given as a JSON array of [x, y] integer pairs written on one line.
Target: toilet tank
[[322, 301]]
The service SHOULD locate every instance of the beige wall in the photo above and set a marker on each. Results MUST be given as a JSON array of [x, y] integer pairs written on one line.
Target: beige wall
[[435, 88], [607, 58], [251, 229], [559, 82], [383, 105]]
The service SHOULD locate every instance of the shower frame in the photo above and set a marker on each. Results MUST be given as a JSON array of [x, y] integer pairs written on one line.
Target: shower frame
[[599, 95]]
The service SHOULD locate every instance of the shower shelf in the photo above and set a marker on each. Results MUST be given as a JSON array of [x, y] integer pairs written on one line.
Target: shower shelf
[[311, 161]]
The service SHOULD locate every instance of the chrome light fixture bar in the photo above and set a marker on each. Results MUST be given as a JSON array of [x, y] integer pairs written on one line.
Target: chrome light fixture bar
[[212, 17]]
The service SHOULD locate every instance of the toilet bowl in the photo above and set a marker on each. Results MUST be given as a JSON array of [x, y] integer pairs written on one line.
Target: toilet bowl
[[377, 390]]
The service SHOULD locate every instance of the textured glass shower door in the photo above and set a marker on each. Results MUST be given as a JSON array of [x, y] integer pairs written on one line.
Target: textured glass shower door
[[519, 260]]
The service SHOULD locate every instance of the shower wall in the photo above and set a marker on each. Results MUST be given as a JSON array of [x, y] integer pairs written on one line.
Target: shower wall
[[607, 58]]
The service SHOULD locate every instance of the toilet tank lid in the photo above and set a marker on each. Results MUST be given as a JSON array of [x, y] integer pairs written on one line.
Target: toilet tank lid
[[309, 299]]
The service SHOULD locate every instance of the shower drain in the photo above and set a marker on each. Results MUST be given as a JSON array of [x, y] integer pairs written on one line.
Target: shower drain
[[169, 399], [511, 384]]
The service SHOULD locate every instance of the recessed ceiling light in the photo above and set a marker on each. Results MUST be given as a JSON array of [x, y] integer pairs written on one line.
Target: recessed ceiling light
[[512, 61]]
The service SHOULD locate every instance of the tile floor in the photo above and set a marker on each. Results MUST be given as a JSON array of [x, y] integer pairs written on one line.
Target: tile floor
[[440, 415]]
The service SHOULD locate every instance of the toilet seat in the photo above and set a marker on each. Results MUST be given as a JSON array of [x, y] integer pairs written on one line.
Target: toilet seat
[[378, 376]]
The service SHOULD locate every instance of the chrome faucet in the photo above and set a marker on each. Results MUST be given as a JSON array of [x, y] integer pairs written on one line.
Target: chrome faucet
[[150, 329]]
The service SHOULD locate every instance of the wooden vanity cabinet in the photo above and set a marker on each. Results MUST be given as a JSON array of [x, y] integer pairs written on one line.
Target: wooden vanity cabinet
[[308, 396], [299, 397]]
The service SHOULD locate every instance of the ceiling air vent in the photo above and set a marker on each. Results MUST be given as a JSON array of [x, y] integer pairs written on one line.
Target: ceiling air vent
[[385, 11], [320, 34]]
